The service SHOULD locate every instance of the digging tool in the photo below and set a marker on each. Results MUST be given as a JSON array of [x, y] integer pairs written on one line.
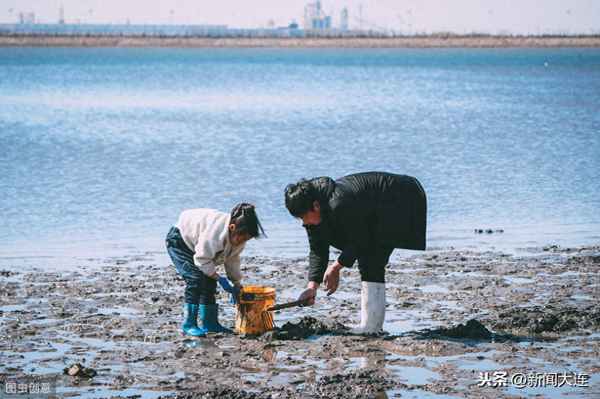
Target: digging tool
[[287, 305]]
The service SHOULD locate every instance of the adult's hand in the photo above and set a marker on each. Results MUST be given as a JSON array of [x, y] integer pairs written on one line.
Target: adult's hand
[[331, 278], [309, 294]]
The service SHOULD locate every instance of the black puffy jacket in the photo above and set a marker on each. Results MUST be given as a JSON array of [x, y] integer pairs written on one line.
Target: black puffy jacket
[[363, 212]]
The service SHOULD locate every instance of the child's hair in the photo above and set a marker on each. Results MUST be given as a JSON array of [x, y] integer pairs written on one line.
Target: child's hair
[[299, 197], [244, 217]]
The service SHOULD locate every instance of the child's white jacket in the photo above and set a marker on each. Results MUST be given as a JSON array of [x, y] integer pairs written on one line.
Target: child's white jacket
[[205, 231]]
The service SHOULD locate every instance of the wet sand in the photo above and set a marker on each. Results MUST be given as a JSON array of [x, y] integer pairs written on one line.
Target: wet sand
[[120, 317], [430, 41]]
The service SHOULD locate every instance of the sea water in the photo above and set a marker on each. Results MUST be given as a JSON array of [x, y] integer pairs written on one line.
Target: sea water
[[101, 148]]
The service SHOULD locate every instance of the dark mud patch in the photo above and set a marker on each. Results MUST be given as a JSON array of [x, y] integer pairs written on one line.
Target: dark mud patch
[[306, 327], [359, 384], [472, 329], [549, 319], [217, 393]]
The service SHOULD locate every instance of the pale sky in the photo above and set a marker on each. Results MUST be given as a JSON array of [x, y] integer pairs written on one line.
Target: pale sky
[[408, 16]]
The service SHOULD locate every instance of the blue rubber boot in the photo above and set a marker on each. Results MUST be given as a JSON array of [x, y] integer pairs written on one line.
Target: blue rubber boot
[[190, 324], [210, 320]]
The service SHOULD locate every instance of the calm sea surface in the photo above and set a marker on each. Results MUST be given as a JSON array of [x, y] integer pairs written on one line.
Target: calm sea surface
[[102, 148]]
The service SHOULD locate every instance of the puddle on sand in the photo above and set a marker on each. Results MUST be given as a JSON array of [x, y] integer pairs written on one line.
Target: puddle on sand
[[286, 368], [119, 310], [406, 270], [518, 280], [569, 274], [96, 392], [411, 375], [414, 375], [582, 297], [45, 322], [433, 289], [53, 357], [552, 392], [416, 394], [451, 305], [480, 361], [482, 365], [461, 359], [193, 343], [401, 321], [275, 378], [53, 351], [462, 275], [14, 308]]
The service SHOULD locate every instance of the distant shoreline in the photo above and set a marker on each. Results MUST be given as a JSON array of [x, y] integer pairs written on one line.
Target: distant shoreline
[[305, 42]]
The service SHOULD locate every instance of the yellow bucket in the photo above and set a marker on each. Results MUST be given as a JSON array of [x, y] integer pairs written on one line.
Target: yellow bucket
[[252, 317]]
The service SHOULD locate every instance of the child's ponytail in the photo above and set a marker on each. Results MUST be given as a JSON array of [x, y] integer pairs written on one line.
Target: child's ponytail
[[244, 217]]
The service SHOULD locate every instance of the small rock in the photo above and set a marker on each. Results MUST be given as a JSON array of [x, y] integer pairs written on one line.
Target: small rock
[[78, 370]]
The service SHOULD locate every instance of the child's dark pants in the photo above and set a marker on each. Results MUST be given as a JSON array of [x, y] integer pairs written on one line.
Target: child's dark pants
[[199, 288]]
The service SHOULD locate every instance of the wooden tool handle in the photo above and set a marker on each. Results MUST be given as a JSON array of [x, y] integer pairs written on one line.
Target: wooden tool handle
[[286, 305]]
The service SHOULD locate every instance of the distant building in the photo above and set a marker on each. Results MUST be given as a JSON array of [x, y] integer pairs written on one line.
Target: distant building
[[27, 18], [315, 18], [311, 12], [344, 19], [75, 28]]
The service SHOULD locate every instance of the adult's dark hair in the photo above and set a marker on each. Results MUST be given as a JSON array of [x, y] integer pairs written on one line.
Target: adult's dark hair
[[299, 197], [244, 217]]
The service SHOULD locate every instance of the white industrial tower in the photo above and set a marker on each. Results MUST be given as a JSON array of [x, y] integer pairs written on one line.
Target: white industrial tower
[[312, 11], [315, 18], [344, 19], [61, 15]]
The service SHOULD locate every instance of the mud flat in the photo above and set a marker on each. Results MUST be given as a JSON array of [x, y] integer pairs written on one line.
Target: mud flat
[[432, 41], [453, 318]]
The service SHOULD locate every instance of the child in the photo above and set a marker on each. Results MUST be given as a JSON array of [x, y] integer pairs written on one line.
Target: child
[[201, 240]]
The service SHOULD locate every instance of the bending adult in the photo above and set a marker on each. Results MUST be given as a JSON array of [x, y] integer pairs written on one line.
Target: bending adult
[[365, 216]]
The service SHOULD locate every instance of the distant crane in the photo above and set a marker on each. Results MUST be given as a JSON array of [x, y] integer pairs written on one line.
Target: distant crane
[[360, 16], [364, 23], [404, 21]]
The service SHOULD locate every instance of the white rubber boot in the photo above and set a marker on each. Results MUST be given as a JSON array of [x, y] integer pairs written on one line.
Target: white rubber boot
[[372, 308]]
